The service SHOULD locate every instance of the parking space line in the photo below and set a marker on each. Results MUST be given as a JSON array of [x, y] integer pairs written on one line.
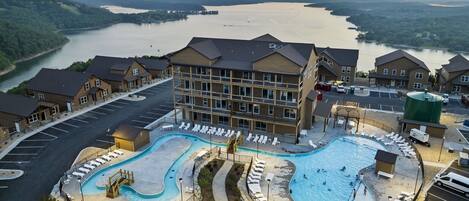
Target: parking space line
[[100, 113], [69, 124], [141, 121], [146, 117], [155, 113], [39, 140], [159, 109], [452, 193], [15, 161], [29, 147], [79, 120], [138, 127], [50, 135], [3, 187], [59, 129], [115, 106], [105, 108], [121, 102], [22, 154], [145, 93], [105, 141], [89, 116]]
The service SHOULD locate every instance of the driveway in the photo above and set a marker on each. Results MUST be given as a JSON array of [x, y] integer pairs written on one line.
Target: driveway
[[47, 155]]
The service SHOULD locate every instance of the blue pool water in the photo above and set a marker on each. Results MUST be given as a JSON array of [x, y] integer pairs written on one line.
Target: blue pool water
[[307, 183]]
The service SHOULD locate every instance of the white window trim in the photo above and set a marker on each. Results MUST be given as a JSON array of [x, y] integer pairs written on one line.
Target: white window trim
[[385, 71], [87, 86], [135, 71], [83, 100], [98, 82], [254, 107]]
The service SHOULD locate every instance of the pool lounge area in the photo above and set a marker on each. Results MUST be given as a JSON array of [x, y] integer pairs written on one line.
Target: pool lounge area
[[331, 179]]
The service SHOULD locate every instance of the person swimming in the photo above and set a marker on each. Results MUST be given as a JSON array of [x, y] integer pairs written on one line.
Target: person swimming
[[304, 176], [324, 183], [343, 169], [319, 170]]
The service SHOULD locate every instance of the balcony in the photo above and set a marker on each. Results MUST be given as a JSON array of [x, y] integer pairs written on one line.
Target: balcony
[[271, 119], [374, 74]]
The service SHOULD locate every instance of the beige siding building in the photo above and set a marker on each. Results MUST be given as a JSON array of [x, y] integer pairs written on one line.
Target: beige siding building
[[337, 65], [454, 76], [258, 85], [399, 69]]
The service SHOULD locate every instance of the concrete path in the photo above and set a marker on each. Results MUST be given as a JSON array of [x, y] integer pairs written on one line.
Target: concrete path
[[218, 185]]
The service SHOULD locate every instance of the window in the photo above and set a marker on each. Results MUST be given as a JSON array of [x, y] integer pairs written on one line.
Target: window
[[460, 183], [205, 86], [256, 109], [286, 95], [243, 123], [418, 75], [268, 77], [349, 69], [105, 92], [266, 93], [342, 78], [222, 120], [417, 85], [245, 91], [33, 118], [87, 86], [41, 96], [98, 83], [220, 104], [224, 73], [242, 107], [402, 72], [187, 84], [344, 69], [394, 72], [249, 107], [347, 79], [54, 110], [465, 78], [289, 113], [270, 110], [247, 75], [205, 101], [189, 100], [456, 88], [385, 71], [83, 99], [135, 71], [261, 126], [201, 71], [279, 78], [206, 118], [226, 89]]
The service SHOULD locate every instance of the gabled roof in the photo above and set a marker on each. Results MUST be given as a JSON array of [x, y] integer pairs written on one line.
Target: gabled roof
[[126, 132], [398, 54], [102, 67], [154, 63], [344, 57], [61, 82], [457, 63], [17, 105], [386, 157], [267, 38], [241, 54]]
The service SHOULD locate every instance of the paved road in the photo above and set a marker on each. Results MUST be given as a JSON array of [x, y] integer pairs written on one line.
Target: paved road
[[47, 155], [391, 102]]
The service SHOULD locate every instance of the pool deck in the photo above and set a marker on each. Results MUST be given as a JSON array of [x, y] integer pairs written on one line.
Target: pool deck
[[218, 185], [150, 170]]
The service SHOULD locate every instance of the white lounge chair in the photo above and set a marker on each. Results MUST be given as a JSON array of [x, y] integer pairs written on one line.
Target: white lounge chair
[[112, 154], [182, 125], [118, 152], [249, 137], [105, 157], [261, 139], [94, 163], [312, 144], [232, 133], [101, 160], [388, 143], [84, 170], [259, 161], [258, 169], [265, 140], [78, 174], [238, 134], [253, 181], [255, 174], [275, 141], [187, 126], [259, 165], [89, 166], [255, 139]]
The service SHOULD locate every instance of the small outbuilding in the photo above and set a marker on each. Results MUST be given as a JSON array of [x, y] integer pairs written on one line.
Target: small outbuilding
[[385, 163], [130, 138]]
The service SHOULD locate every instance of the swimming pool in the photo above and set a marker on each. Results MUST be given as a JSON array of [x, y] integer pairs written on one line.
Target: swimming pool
[[329, 183]]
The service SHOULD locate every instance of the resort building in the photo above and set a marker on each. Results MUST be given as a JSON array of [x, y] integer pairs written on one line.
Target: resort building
[[337, 65], [399, 69], [157, 67], [454, 76], [130, 138], [69, 89], [259, 85], [19, 112], [123, 74]]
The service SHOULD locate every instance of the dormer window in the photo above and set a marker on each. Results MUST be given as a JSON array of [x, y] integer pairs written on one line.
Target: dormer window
[[135, 71], [87, 86], [98, 83]]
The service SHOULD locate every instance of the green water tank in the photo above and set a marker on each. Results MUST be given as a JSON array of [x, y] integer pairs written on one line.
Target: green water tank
[[423, 106]]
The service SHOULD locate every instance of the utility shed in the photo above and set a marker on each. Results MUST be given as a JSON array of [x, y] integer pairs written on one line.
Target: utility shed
[[130, 138], [385, 162]]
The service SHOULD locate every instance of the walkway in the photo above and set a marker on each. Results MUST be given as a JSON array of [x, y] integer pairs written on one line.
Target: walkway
[[218, 185]]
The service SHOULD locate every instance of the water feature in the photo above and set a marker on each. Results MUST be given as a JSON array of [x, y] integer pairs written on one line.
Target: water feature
[[307, 183], [288, 21]]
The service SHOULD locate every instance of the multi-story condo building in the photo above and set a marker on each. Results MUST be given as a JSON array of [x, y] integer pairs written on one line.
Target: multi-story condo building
[[399, 69], [337, 65], [454, 76], [258, 85]]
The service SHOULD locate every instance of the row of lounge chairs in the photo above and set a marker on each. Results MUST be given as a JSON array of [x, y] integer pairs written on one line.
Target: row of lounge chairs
[[262, 139], [90, 165], [254, 178], [404, 146]]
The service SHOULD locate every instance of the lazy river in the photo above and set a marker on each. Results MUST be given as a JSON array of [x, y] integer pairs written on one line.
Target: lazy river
[[319, 174]]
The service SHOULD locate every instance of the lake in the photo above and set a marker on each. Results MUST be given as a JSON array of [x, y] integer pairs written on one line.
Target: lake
[[287, 21]]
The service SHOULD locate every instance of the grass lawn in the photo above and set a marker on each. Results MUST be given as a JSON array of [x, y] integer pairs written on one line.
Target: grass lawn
[[205, 178], [231, 183]]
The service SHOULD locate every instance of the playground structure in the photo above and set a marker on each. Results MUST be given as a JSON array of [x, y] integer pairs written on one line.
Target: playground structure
[[233, 142], [121, 177]]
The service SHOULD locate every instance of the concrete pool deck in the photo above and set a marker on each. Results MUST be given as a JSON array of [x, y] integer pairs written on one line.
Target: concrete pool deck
[[150, 170]]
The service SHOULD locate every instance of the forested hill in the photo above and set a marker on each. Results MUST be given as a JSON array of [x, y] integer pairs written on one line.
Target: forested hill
[[418, 23], [30, 27]]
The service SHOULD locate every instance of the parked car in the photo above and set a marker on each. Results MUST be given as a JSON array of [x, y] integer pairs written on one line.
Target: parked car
[[454, 181], [465, 100], [417, 135], [340, 89], [445, 99]]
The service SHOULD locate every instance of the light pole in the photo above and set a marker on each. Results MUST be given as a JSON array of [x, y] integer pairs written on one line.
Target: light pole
[[441, 148], [416, 180], [257, 149], [81, 192], [180, 187], [210, 136], [268, 189]]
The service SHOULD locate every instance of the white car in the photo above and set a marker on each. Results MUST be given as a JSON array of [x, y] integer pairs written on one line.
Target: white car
[[445, 98], [340, 89], [454, 181]]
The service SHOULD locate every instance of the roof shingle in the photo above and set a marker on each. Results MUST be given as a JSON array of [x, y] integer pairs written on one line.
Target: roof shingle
[[61, 82], [457, 63], [344, 57], [17, 105], [397, 55]]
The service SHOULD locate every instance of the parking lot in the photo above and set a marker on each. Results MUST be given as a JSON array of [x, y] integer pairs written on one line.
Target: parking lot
[[45, 156], [441, 193]]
